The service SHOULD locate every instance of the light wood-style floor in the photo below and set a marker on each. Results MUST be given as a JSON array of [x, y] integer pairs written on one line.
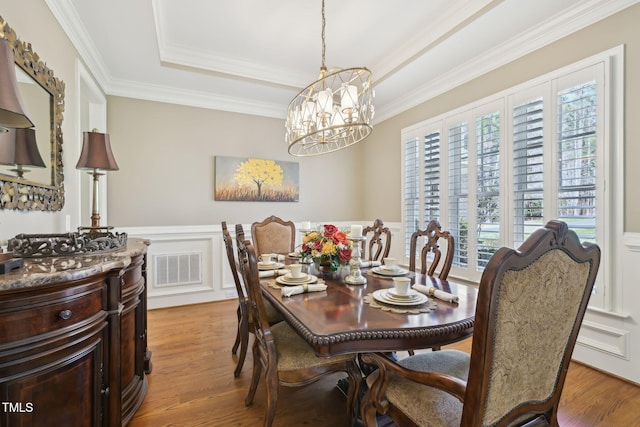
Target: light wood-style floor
[[192, 382]]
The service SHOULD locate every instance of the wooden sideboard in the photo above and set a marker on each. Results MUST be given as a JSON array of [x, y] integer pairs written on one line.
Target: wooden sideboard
[[73, 339]]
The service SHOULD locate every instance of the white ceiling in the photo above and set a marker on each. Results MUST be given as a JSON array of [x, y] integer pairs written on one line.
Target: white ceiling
[[253, 56]]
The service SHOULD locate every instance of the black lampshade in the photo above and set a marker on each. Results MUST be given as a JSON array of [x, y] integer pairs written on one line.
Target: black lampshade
[[96, 152]]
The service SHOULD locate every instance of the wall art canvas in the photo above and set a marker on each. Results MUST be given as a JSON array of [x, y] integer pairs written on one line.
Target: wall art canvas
[[256, 180]]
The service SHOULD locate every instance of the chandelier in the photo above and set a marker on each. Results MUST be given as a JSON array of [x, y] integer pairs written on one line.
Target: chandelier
[[331, 113]]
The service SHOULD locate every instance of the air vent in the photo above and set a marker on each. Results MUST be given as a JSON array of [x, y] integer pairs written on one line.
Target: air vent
[[178, 269]]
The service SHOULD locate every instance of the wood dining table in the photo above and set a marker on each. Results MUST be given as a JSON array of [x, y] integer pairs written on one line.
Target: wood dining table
[[340, 319]]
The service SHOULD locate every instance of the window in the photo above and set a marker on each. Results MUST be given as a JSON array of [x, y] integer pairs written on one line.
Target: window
[[495, 171]]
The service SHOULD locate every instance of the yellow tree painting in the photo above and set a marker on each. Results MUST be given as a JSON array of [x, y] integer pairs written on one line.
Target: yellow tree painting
[[250, 179]]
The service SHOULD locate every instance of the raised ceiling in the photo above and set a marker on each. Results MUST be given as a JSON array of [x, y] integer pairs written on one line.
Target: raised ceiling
[[253, 56]]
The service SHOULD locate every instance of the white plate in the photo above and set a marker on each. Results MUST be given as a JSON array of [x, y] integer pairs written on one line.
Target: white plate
[[289, 278], [310, 279], [381, 295], [386, 272], [411, 294], [270, 266], [391, 299], [294, 255]]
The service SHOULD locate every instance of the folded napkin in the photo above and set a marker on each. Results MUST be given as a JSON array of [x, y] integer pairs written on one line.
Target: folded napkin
[[437, 293], [366, 264], [288, 291], [281, 257], [272, 273]]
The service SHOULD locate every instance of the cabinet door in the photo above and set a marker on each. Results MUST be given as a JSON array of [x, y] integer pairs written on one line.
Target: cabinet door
[[133, 339], [62, 388]]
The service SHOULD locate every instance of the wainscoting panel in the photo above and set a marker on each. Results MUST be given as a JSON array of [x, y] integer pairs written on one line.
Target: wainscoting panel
[[610, 340], [184, 264]]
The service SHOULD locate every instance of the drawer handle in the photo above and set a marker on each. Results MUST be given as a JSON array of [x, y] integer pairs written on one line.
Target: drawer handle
[[65, 314]]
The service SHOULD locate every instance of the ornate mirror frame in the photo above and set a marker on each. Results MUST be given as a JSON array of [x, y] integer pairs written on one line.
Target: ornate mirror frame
[[22, 194]]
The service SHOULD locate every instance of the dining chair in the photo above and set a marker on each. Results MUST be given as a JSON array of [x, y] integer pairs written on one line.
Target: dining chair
[[273, 235], [531, 303], [285, 357], [377, 245], [432, 234], [245, 321]]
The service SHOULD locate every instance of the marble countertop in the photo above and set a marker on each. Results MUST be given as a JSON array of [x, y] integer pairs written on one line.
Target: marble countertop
[[51, 270]]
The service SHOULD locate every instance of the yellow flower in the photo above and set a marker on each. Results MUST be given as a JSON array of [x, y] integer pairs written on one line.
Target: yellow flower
[[328, 248], [310, 236]]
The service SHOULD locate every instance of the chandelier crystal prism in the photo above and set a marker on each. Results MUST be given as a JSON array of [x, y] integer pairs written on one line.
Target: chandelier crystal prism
[[331, 113]]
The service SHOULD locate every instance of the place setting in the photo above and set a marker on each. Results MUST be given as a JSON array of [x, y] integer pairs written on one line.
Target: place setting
[[401, 298], [269, 262], [295, 277], [389, 269]]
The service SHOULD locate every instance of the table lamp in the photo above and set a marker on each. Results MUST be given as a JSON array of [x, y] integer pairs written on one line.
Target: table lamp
[[96, 156]]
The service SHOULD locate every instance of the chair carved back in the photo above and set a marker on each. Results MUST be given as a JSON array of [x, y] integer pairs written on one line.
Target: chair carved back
[[531, 304], [432, 234], [273, 235], [228, 244], [248, 260], [377, 245]]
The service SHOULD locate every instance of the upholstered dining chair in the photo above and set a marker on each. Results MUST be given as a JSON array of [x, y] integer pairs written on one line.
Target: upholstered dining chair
[[531, 303], [273, 235], [245, 321], [377, 245], [285, 357], [431, 235]]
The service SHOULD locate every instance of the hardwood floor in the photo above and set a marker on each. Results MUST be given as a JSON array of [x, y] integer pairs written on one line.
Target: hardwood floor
[[192, 382]]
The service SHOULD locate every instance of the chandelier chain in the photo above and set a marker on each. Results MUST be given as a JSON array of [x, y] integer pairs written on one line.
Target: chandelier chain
[[323, 43]]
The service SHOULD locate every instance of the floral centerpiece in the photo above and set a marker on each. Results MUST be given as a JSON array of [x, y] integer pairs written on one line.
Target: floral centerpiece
[[327, 246]]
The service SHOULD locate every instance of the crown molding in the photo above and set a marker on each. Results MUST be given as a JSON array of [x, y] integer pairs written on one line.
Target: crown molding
[[201, 99], [68, 18]]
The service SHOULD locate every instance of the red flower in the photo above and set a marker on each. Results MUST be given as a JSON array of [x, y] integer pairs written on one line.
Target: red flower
[[330, 230], [345, 255], [340, 237], [317, 245], [305, 248]]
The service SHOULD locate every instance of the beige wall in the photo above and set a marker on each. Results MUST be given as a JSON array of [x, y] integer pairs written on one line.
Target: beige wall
[[166, 157], [383, 147]]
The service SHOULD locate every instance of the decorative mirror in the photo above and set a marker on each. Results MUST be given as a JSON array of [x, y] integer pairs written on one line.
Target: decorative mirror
[[43, 98]]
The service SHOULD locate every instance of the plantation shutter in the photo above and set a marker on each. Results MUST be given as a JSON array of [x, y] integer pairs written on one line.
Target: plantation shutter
[[431, 177], [528, 186], [459, 191], [577, 118], [487, 187], [411, 189]]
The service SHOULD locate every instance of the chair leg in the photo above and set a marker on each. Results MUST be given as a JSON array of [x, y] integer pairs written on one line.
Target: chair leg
[[243, 330], [255, 378], [355, 379], [368, 411], [271, 380], [237, 343]]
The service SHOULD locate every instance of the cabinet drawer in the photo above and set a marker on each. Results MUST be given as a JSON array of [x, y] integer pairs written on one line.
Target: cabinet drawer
[[52, 311]]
